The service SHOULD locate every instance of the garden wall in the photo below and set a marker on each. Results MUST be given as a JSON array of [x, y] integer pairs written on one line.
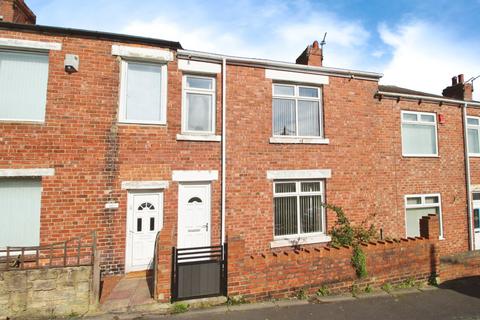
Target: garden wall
[[46, 292], [279, 274]]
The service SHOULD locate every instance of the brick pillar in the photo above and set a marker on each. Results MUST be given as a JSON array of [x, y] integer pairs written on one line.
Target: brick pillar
[[236, 256], [163, 279], [430, 229]]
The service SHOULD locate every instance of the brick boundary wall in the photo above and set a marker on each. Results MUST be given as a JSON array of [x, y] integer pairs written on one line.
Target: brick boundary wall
[[279, 274], [460, 266]]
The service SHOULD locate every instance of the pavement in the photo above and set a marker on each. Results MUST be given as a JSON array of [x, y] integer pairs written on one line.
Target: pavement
[[456, 300]]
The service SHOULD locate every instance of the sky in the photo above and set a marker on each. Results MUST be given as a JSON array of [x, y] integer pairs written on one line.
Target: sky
[[419, 44]]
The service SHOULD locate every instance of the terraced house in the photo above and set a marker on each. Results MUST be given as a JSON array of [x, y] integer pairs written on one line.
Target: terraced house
[[154, 147]]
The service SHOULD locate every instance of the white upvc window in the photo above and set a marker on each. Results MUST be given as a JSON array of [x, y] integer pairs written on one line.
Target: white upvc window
[[473, 127], [20, 200], [297, 111], [298, 209], [198, 105], [23, 85], [419, 134], [418, 206], [143, 96]]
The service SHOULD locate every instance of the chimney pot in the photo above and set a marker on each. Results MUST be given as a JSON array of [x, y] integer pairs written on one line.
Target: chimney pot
[[459, 89]]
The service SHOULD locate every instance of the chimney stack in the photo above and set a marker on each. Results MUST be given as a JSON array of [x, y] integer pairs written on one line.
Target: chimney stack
[[459, 89], [16, 11], [311, 56]]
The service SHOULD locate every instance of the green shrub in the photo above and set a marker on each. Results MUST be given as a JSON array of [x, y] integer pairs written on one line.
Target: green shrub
[[323, 291], [180, 308], [387, 287], [301, 294]]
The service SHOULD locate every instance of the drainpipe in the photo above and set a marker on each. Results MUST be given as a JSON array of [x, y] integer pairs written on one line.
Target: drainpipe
[[467, 174], [224, 143]]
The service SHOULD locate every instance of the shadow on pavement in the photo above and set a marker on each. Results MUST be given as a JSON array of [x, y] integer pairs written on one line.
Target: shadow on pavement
[[469, 286]]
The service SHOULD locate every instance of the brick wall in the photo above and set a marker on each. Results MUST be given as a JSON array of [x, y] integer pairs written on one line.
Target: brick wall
[[92, 154], [369, 175], [280, 274]]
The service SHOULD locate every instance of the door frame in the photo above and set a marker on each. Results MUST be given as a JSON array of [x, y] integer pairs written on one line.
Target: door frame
[[475, 205], [208, 184], [129, 225]]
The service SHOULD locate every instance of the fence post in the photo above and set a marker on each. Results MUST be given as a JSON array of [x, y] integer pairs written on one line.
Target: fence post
[[95, 296], [8, 258], [225, 269], [174, 279]]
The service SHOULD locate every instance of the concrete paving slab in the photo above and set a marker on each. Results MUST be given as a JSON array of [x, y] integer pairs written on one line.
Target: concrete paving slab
[[375, 294], [397, 292], [428, 288], [290, 303], [252, 306], [330, 299]]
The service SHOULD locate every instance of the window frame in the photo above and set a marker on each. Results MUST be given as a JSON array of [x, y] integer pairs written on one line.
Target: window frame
[[123, 92], [425, 205], [35, 52], [420, 122], [474, 127], [212, 93], [298, 193], [297, 97]]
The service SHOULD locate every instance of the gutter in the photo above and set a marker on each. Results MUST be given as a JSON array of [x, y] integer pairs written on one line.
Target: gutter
[[279, 65], [89, 34], [427, 98], [471, 245]]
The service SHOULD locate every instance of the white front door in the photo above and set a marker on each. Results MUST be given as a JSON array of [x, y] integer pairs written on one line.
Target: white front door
[[476, 224], [194, 206], [144, 220]]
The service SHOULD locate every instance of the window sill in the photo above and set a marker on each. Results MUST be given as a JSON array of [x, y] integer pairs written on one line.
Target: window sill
[[277, 243], [419, 156], [299, 140], [22, 121], [474, 155], [143, 123], [191, 137]]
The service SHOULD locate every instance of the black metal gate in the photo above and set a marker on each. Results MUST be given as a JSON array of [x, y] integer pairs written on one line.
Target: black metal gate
[[199, 272]]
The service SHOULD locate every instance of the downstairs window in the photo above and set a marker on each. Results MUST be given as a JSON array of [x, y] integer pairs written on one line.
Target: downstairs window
[[298, 209]]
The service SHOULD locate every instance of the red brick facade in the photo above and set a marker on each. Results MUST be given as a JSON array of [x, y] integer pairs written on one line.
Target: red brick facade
[[92, 154]]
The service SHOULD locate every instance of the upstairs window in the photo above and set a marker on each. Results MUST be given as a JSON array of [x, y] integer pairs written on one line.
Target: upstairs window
[[473, 127], [297, 111], [143, 96], [419, 134], [298, 209], [23, 85], [198, 116]]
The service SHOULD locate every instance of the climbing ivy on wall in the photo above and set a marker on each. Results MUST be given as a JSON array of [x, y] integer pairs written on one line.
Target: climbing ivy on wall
[[344, 233]]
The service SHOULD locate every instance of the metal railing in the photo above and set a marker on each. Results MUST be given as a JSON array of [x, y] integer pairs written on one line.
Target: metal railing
[[78, 251]]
